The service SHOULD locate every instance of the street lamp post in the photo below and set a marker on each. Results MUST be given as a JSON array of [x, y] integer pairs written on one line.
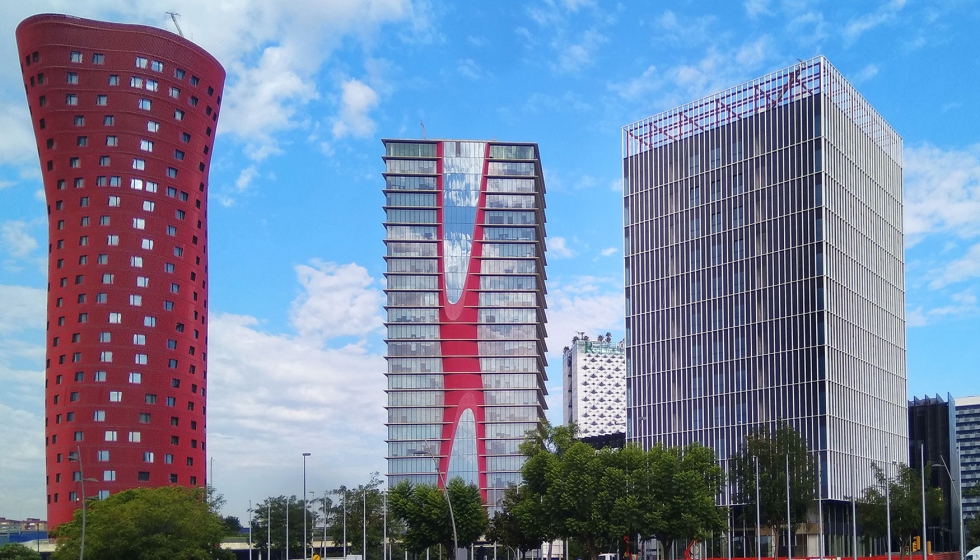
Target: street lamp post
[[758, 515], [959, 495], [445, 485], [268, 529], [250, 530], [82, 479], [922, 458], [286, 542], [305, 455], [888, 503], [789, 522], [364, 524]]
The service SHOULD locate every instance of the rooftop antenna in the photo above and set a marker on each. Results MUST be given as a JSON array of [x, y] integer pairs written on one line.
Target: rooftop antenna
[[423, 129], [174, 16]]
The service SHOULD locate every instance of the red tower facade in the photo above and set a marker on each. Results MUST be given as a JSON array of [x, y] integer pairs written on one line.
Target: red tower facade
[[125, 119]]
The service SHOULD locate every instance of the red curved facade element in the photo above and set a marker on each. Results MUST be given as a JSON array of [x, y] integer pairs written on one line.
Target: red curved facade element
[[466, 311], [125, 119]]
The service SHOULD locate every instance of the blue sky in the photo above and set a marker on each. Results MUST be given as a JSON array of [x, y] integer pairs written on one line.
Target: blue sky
[[295, 193]]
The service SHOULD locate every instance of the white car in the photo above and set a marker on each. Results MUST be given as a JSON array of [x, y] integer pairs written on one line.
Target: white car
[[973, 554]]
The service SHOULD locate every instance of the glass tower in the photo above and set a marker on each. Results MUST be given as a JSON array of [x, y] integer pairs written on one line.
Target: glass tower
[[466, 311], [765, 273]]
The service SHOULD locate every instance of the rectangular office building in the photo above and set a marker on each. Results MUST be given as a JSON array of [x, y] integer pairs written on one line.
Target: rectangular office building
[[466, 312], [765, 272]]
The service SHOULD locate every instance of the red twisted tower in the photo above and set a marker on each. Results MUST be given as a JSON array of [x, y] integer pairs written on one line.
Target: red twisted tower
[[125, 119]]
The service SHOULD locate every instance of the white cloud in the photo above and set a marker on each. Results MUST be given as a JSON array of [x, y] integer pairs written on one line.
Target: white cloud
[[16, 240], [942, 191], [469, 68], [689, 31], [17, 145], [558, 247], [961, 269], [22, 319], [859, 25], [586, 303], [754, 53], [866, 73], [756, 7], [23, 308], [641, 86], [272, 51], [962, 303], [273, 396], [576, 56], [608, 251], [357, 100], [339, 300]]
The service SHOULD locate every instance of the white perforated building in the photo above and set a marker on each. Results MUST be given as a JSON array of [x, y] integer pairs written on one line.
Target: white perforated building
[[594, 396]]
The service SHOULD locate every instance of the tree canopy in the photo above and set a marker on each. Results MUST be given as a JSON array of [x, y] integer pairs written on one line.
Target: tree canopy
[[16, 551], [274, 509], [518, 524], [145, 524], [425, 512], [905, 495], [355, 500], [600, 497], [772, 447]]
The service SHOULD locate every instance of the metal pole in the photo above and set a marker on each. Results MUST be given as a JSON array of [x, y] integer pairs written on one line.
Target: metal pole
[[922, 458], [287, 529], [345, 522], [789, 522], [305, 455], [854, 502], [268, 527], [384, 530], [959, 492], [81, 471], [820, 545], [364, 525], [250, 530], [888, 502], [758, 515], [728, 502]]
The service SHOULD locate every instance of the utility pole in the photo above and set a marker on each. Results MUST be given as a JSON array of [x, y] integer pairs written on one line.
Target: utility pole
[[268, 526], [820, 501], [758, 515], [364, 525], [922, 458], [854, 501], [789, 522], [888, 503]]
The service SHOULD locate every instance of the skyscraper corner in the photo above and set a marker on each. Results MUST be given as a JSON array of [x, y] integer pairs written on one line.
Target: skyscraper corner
[[765, 273], [124, 117]]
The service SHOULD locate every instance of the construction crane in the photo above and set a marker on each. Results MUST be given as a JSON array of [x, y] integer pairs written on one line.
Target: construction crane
[[174, 16]]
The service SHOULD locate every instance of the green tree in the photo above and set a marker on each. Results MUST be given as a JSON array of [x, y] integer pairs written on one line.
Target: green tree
[[145, 524], [425, 512], [517, 524], [772, 447], [233, 525], [905, 495], [686, 482], [354, 499], [274, 510], [971, 526], [15, 551]]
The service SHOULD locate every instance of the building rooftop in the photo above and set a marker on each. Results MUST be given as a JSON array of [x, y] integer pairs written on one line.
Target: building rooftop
[[804, 79]]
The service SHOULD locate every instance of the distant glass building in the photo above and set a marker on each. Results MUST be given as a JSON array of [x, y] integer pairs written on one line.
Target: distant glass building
[[765, 273], [930, 435], [967, 448], [594, 390], [466, 312]]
